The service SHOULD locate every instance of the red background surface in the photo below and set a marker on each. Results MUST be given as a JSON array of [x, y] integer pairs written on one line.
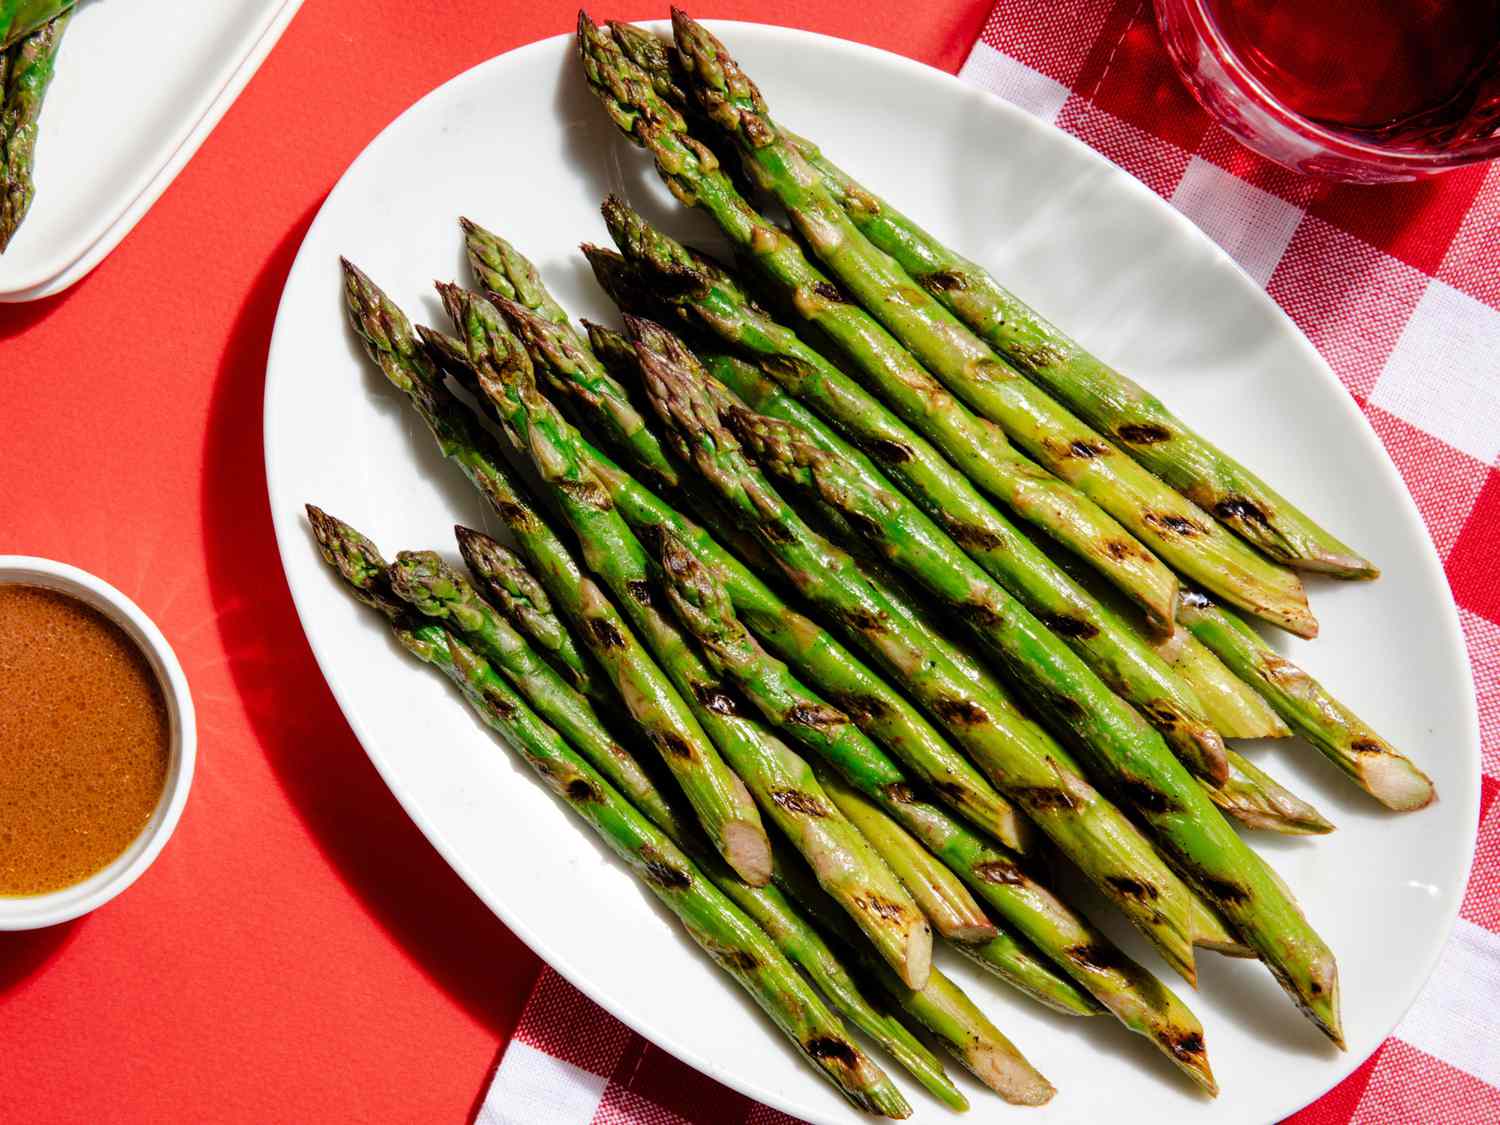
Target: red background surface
[[298, 952]]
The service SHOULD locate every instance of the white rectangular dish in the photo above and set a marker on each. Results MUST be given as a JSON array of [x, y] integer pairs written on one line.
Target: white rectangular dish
[[140, 84]]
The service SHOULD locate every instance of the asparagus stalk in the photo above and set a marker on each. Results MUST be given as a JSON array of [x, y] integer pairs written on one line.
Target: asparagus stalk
[[733, 940], [948, 905], [706, 614], [823, 466], [782, 782], [19, 18], [502, 270], [522, 601], [1023, 761], [1141, 1002], [720, 800], [976, 446], [1121, 748], [1343, 737], [25, 74], [1233, 706], [872, 703], [978, 538], [1174, 527], [941, 1007], [1106, 399], [441, 594], [429, 585], [1257, 800]]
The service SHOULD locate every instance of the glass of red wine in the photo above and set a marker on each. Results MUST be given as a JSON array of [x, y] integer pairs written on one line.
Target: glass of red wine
[[1360, 90]]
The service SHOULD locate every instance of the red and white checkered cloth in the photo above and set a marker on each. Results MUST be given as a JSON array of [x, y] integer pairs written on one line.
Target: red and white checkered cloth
[[1399, 287]]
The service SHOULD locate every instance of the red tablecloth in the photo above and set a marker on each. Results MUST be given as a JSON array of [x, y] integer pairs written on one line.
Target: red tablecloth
[[299, 952]]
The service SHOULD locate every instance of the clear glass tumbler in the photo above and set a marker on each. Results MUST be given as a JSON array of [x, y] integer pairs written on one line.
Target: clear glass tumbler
[[1358, 90]]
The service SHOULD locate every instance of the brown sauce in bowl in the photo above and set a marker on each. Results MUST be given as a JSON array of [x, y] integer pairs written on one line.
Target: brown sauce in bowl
[[84, 740]]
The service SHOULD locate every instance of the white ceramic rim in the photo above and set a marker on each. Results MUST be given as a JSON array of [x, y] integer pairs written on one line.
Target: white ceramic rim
[[105, 236], [33, 912], [292, 535]]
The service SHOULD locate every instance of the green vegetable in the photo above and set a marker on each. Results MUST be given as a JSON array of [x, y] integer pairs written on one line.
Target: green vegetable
[[976, 446], [1123, 751], [1344, 738], [782, 783], [720, 929], [1113, 403], [19, 18], [575, 373], [25, 72], [1026, 764], [1172, 526], [720, 800]]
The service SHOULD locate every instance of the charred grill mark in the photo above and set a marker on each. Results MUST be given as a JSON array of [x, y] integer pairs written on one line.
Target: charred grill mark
[[499, 704], [964, 711], [950, 790], [1096, 956], [651, 536], [980, 615], [1149, 799], [818, 716], [640, 590], [1160, 716], [741, 960], [1119, 549], [514, 515], [827, 1047], [861, 707], [862, 620], [1142, 433], [1187, 1046], [900, 793], [588, 493], [1366, 746], [776, 531], [972, 538], [1088, 449], [1065, 626], [605, 633], [880, 907], [1065, 706], [1177, 525], [863, 524], [1241, 508], [1036, 356], [999, 873], [1137, 889], [944, 281], [581, 790], [888, 452], [829, 292], [1220, 890], [1041, 798], [661, 873], [796, 801], [716, 698], [672, 744], [1315, 988]]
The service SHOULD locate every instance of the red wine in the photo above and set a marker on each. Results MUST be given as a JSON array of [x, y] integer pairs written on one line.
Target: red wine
[[1404, 73]]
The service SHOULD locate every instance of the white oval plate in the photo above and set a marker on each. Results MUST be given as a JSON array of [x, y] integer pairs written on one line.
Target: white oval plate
[[102, 159], [519, 144]]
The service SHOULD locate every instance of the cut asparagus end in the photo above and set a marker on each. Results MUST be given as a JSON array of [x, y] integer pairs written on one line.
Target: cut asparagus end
[[1396, 783], [1009, 1075]]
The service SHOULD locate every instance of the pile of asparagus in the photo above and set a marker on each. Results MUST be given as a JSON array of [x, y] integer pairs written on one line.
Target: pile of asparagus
[[833, 621], [30, 33]]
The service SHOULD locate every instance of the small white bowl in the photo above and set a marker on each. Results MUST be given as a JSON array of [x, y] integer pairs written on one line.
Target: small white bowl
[[32, 912]]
